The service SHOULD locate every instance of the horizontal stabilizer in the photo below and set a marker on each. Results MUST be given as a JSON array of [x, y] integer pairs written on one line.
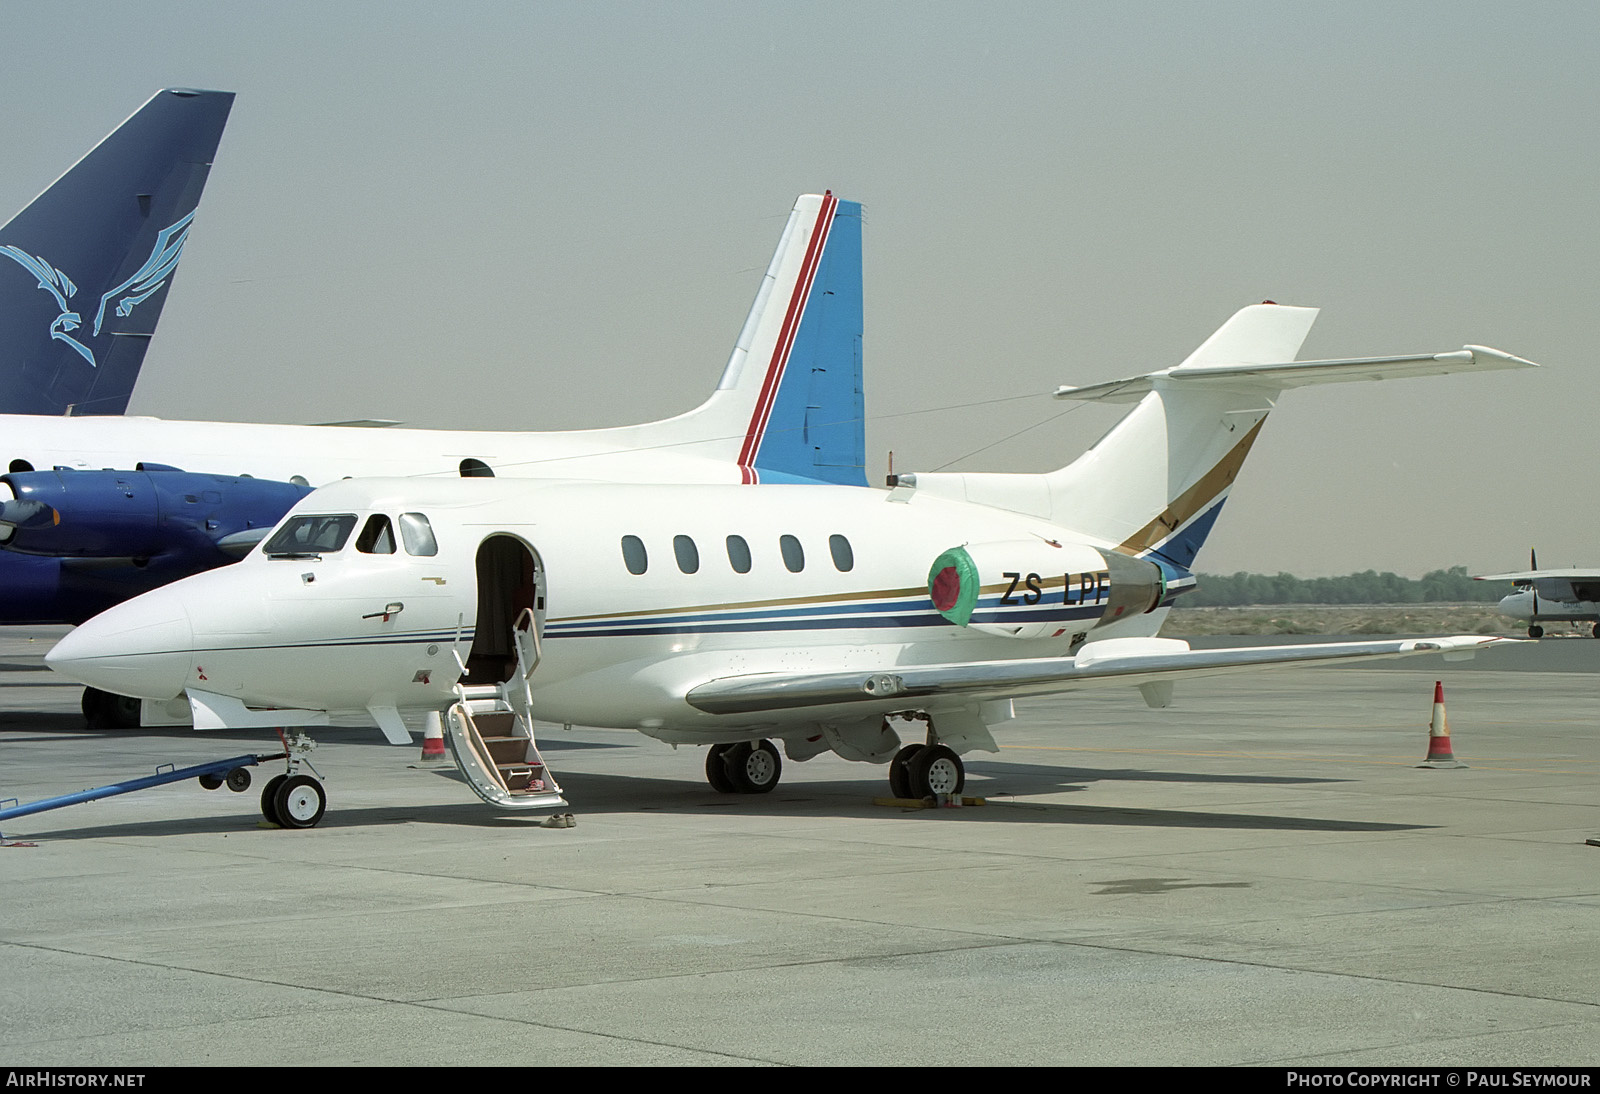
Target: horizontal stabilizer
[[1112, 662], [1287, 374]]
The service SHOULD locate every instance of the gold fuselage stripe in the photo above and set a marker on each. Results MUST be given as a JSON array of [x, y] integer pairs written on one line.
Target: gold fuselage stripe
[[1187, 504]]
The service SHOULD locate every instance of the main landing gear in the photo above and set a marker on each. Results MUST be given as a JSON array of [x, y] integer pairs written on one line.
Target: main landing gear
[[925, 771], [294, 800], [749, 767]]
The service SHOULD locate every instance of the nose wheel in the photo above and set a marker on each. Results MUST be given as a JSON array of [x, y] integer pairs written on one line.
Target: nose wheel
[[300, 802], [294, 800]]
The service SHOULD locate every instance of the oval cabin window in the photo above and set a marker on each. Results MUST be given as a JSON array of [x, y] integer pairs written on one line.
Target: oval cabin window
[[794, 557], [844, 559], [687, 554], [633, 556]]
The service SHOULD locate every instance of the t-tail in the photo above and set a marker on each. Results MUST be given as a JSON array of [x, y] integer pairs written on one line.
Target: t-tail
[[86, 268], [1153, 486], [789, 406]]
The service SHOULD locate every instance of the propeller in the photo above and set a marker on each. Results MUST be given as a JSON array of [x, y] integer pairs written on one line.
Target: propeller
[[1533, 564]]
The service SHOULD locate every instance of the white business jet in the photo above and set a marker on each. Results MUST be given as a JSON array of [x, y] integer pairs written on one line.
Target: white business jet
[[821, 617]]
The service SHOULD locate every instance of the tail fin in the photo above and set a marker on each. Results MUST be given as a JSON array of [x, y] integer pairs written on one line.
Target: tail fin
[[789, 406], [84, 269], [1154, 484]]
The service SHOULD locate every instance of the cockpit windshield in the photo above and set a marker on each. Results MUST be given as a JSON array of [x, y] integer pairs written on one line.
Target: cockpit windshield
[[308, 537]]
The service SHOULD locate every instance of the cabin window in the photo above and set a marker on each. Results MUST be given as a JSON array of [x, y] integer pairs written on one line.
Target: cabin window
[[687, 554], [377, 538], [417, 534], [633, 556], [738, 554], [476, 469], [794, 557], [303, 536], [844, 559]]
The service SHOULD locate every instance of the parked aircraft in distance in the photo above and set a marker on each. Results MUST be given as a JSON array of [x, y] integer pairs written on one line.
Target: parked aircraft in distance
[[1551, 596], [190, 496], [818, 616]]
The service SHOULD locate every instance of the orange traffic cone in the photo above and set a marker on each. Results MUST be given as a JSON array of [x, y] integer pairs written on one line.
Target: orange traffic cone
[[433, 738], [1439, 754]]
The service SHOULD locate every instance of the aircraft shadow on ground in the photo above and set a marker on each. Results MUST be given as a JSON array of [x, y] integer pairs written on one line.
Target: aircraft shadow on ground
[[1044, 779], [621, 795]]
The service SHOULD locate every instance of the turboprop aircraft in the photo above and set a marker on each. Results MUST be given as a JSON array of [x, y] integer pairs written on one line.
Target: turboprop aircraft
[[86, 268], [1550, 596], [815, 615], [191, 496]]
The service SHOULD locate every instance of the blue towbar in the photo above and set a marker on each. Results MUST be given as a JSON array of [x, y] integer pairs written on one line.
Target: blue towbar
[[211, 775]]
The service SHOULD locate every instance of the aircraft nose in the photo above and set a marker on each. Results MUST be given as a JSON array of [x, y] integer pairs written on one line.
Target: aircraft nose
[[142, 648]]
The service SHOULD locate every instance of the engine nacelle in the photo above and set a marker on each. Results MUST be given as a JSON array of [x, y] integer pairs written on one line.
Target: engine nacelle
[[138, 515], [1039, 589]]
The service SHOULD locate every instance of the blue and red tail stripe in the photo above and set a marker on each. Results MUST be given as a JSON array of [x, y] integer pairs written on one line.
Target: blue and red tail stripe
[[807, 424]]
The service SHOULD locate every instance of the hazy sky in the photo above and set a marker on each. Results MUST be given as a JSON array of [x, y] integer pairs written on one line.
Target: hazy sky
[[554, 215]]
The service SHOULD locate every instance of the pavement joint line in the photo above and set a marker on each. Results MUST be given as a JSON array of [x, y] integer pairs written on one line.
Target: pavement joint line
[[433, 1006], [998, 941]]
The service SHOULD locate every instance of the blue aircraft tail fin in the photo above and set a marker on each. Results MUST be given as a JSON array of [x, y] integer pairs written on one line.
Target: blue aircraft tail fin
[[808, 423], [85, 268], [789, 406]]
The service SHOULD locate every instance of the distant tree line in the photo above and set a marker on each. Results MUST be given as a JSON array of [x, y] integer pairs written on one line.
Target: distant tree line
[[1454, 585]]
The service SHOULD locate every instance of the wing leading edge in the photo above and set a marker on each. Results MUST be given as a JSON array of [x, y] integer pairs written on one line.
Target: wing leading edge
[[1112, 662]]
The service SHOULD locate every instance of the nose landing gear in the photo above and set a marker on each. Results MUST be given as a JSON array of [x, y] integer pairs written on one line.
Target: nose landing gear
[[294, 800]]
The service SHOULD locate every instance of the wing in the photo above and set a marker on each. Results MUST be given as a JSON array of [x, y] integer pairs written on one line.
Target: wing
[[1531, 575], [1113, 662]]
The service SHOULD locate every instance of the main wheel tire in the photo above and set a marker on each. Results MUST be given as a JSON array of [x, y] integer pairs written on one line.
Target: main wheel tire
[[754, 768], [900, 770], [269, 799], [300, 802], [1535, 632], [936, 770], [717, 769]]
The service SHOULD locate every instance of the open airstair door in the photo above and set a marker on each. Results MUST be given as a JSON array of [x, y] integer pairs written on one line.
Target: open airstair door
[[490, 726]]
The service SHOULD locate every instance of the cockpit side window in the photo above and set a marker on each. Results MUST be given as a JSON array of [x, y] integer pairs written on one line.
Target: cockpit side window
[[377, 537], [417, 534], [310, 535]]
